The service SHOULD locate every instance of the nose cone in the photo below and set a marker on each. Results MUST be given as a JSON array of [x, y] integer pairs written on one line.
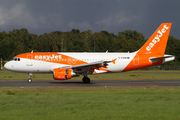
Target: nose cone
[[7, 66]]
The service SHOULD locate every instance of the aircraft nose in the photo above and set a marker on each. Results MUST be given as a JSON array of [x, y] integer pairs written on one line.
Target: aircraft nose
[[7, 66]]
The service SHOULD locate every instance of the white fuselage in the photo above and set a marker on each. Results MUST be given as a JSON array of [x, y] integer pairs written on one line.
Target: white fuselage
[[47, 65]]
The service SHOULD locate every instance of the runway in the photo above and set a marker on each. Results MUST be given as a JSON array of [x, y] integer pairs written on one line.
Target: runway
[[94, 83]]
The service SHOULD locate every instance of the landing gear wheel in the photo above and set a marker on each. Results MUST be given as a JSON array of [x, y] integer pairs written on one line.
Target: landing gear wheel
[[29, 80], [86, 80]]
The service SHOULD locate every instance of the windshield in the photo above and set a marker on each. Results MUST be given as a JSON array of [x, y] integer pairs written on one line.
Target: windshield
[[16, 59]]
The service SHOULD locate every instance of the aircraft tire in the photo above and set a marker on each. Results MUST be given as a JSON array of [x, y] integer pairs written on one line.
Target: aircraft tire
[[29, 80], [86, 80]]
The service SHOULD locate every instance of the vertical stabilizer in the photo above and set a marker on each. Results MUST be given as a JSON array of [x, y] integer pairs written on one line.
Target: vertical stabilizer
[[158, 41], [152, 52]]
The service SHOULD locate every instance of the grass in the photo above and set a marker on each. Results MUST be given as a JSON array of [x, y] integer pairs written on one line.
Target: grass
[[8, 75], [89, 103], [132, 75]]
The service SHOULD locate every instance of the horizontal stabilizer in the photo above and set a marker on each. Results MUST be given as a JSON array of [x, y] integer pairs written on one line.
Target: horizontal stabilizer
[[166, 58]]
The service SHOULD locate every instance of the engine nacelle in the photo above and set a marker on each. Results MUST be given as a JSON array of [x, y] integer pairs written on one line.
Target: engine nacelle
[[62, 74]]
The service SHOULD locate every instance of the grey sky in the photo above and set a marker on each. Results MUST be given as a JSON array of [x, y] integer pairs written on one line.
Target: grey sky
[[45, 16]]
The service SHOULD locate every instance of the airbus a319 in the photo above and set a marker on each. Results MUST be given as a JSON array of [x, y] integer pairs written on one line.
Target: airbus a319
[[63, 65]]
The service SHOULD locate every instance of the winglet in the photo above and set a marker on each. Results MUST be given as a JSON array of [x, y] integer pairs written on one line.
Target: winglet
[[113, 61]]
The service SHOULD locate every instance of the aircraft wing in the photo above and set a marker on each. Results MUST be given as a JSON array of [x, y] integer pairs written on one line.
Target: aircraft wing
[[89, 67], [92, 64], [101, 63], [89, 64]]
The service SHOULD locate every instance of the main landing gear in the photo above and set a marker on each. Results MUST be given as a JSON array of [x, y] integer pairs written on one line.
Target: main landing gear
[[30, 78], [86, 80]]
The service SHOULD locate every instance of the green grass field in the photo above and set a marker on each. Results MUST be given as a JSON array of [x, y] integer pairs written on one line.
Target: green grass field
[[143, 103], [89, 103]]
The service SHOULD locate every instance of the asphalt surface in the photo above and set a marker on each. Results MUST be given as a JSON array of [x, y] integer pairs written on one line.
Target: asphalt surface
[[93, 83]]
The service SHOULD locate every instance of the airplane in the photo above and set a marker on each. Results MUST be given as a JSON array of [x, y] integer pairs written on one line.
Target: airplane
[[64, 65]]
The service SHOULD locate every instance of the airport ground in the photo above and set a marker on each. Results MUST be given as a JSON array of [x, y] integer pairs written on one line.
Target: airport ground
[[144, 102], [132, 75]]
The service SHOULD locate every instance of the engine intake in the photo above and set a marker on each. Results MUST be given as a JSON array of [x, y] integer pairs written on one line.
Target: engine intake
[[62, 74]]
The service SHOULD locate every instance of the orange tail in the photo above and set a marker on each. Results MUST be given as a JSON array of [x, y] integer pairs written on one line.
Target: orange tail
[[157, 42], [152, 52]]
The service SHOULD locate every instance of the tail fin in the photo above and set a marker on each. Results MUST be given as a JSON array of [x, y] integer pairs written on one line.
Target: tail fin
[[157, 42]]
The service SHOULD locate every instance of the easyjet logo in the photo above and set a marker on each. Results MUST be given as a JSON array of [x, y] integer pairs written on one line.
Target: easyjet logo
[[48, 56], [157, 38]]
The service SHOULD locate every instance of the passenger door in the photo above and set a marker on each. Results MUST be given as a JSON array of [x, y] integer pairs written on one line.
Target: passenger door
[[29, 60]]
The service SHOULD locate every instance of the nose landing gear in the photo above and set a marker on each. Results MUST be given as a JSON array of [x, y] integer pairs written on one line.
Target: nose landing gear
[[30, 78]]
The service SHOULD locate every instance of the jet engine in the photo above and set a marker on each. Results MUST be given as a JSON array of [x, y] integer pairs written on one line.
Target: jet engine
[[62, 74]]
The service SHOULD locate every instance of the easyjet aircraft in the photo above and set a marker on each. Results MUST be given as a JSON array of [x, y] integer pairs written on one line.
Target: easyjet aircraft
[[67, 65]]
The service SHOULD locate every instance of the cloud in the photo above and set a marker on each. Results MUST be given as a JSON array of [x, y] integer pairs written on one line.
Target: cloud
[[43, 16], [116, 19], [17, 15]]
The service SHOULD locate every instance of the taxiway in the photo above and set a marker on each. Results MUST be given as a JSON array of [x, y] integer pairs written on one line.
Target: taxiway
[[94, 83]]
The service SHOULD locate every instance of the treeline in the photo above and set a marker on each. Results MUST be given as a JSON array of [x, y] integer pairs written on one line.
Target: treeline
[[20, 41]]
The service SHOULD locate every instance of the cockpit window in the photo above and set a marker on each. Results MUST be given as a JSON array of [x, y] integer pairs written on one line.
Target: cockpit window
[[16, 59]]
